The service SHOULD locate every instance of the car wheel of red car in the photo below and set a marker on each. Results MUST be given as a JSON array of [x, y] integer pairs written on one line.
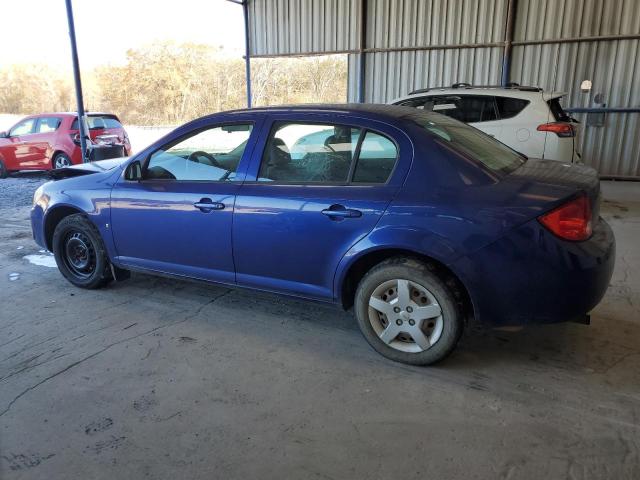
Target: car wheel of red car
[[61, 160], [80, 252], [3, 170], [408, 313]]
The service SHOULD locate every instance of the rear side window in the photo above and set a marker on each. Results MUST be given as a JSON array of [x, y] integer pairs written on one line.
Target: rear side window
[[47, 124], [309, 153], [97, 122], [302, 153], [376, 159], [466, 108], [556, 110], [510, 107]]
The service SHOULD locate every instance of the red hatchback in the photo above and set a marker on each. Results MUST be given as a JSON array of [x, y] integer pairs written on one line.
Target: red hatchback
[[52, 140]]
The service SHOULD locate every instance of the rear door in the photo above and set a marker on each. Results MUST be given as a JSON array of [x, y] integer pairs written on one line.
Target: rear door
[[298, 213], [43, 139]]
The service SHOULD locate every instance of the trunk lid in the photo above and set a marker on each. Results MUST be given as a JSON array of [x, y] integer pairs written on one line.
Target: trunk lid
[[542, 185]]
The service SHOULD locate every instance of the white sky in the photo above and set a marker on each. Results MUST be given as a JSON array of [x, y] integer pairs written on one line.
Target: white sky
[[35, 31]]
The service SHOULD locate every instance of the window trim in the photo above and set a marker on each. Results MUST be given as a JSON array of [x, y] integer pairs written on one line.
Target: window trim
[[145, 161], [354, 161]]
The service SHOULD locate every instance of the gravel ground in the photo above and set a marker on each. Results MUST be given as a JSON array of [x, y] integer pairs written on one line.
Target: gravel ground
[[17, 190]]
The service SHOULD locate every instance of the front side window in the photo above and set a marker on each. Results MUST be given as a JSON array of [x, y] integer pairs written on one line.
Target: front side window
[[309, 153], [210, 155], [48, 124], [414, 102], [23, 128]]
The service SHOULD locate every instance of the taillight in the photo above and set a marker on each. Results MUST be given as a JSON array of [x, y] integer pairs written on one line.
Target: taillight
[[76, 139], [571, 221], [562, 129]]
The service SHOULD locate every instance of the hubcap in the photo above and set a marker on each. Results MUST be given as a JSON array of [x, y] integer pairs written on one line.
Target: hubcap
[[79, 254], [405, 315]]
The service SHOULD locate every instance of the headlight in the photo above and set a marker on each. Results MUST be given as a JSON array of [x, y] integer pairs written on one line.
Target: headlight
[[37, 194]]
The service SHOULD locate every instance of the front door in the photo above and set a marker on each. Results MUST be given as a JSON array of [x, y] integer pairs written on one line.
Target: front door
[[21, 148], [318, 189], [178, 219]]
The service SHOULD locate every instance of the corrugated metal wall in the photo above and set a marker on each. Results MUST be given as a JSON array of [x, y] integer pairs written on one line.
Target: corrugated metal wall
[[317, 26], [612, 66], [410, 23], [303, 26]]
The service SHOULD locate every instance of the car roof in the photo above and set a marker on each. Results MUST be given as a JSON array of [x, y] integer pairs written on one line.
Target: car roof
[[381, 112], [67, 114], [527, 93]]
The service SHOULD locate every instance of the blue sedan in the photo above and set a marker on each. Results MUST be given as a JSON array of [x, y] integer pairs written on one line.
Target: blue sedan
[[416, 221]]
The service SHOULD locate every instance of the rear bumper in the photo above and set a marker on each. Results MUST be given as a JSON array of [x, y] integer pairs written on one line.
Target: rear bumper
[[531, 276]]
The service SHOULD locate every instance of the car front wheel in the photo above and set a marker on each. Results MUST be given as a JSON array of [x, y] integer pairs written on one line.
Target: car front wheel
[[80, 252], [3, 170], [407, 313], [61, 160]]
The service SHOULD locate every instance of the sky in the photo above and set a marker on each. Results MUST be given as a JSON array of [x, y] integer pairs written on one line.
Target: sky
[[35, 31]]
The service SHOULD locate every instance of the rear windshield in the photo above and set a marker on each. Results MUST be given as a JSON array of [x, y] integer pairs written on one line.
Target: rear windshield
[[556, 110], [471, 143], [98, 122]]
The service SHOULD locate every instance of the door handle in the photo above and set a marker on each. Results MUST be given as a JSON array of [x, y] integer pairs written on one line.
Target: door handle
[[339, 212], [206, 205]]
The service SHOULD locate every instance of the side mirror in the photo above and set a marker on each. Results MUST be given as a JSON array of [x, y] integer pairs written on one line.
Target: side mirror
[[133, 172], [4, 135]]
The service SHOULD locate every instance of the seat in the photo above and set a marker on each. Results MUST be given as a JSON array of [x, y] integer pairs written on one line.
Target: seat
[[279, 161]]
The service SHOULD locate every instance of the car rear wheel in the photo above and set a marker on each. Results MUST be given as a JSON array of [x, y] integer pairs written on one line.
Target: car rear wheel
[[80, 252], [61, 160], [407, 313]]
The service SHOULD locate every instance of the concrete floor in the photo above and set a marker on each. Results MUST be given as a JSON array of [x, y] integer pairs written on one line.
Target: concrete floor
[[164, 379]]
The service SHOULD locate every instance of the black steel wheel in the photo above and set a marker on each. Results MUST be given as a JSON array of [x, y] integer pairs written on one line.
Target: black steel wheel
[[80, 252]]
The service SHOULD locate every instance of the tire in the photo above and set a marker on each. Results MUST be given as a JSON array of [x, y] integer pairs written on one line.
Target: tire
[[60, 160], [3, 170], [80, 253], [406, 289]]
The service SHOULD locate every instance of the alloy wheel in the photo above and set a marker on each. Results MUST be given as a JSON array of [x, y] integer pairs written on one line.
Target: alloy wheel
[[62, 161]]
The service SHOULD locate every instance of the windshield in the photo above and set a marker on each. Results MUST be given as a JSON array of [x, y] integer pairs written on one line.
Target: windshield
[[470, 142]]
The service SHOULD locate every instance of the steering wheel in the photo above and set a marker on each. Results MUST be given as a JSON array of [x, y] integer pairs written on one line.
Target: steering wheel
[[194, 157]]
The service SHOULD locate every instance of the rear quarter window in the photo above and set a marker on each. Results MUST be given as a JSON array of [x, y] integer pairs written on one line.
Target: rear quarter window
[[510, 107]]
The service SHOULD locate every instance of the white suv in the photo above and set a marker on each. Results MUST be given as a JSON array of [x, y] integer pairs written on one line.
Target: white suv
[[525, 118]]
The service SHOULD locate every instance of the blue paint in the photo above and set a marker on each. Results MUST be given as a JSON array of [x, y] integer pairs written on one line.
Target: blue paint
[[438, 203]]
